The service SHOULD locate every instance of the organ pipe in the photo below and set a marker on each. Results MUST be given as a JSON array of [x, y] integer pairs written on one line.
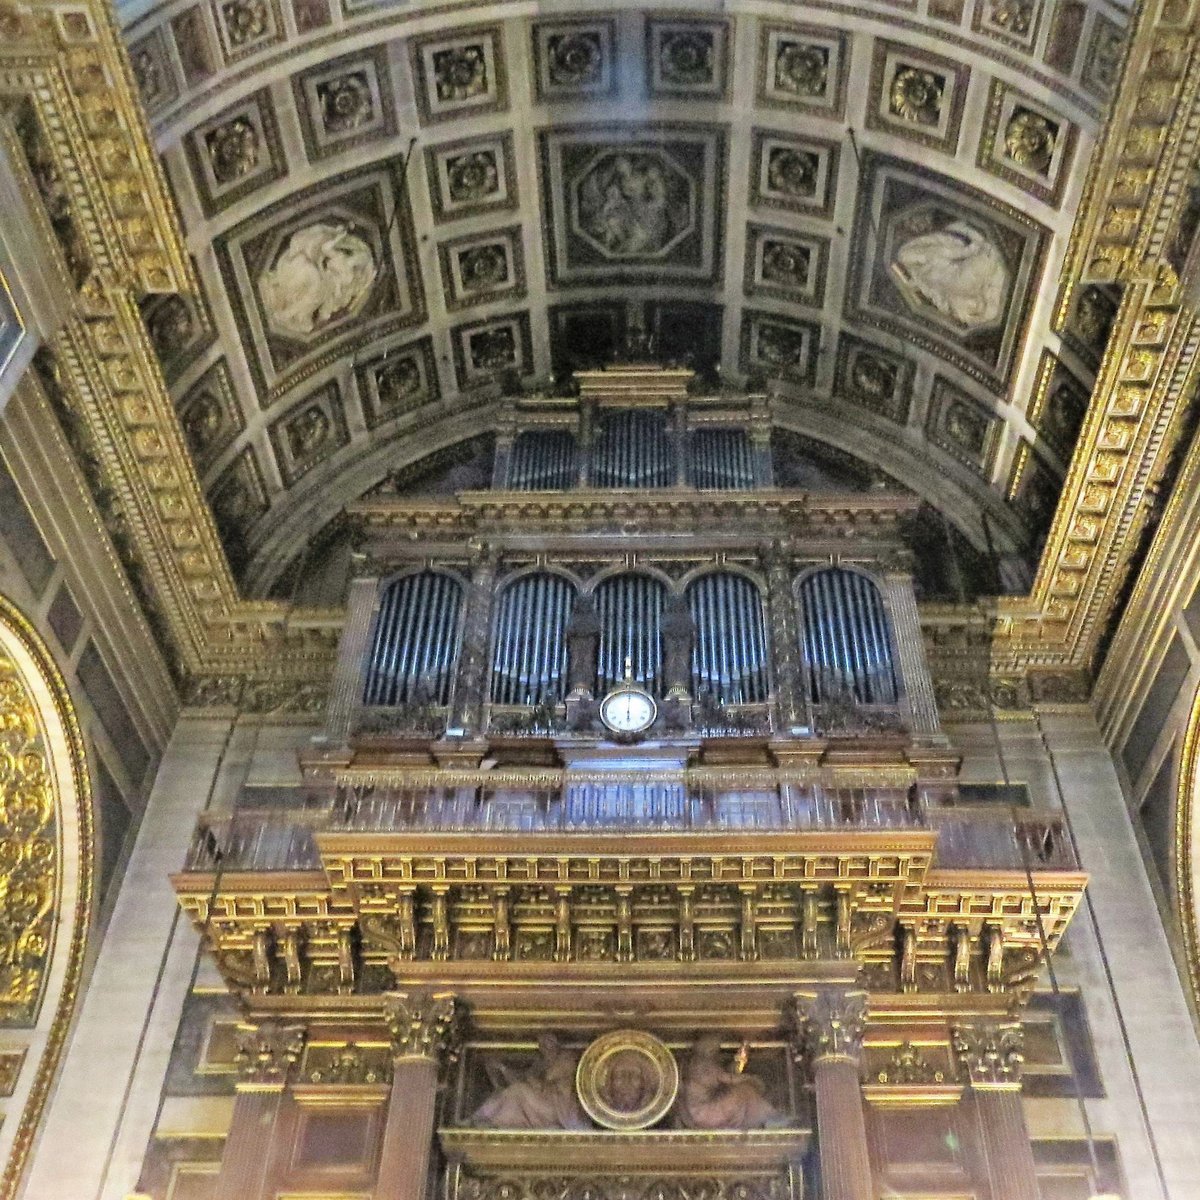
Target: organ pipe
[[633, 449], [720, 459], [529, 654], [630, 608], [544, 460], [729, 655], [847, 648], [417, 636]]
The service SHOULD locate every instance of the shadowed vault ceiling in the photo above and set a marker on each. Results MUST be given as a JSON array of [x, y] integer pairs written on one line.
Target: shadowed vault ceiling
[[395, 215]]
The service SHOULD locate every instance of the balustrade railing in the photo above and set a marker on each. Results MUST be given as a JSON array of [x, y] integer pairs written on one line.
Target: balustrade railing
[[285, 839]]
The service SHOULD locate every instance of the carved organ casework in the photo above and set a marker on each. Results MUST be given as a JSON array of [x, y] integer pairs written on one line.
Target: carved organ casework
[[633, 861]]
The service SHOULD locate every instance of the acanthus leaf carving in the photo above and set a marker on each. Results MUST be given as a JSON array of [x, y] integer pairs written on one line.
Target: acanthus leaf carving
[[267, 1052], [990, 1053], [831, 1022], [421, 1024]]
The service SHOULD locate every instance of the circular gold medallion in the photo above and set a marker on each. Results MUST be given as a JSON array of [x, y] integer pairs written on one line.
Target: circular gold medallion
[[627, 1080]]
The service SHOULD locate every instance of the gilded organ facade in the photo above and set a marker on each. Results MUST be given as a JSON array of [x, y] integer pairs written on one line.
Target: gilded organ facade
[[632, 859], [768, 775]]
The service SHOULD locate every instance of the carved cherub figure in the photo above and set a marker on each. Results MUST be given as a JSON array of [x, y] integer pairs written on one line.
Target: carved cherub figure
[[541, 1098], [714, 1096]]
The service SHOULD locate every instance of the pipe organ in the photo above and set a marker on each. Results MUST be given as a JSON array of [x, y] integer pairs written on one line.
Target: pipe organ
[[721, 459], [637, 865], [630, 608], [729, 660], [633, 450], [631, 442], [544, 460], [416, 641], [717, 622], [847, 643], [529, 650]]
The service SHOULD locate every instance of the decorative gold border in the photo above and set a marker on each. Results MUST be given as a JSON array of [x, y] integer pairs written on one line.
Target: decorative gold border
[[1189, 776], [13, 623]]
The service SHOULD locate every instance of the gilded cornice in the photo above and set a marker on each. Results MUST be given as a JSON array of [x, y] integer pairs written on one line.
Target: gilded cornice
[[94, 153], [1122, 235], [493, 909]]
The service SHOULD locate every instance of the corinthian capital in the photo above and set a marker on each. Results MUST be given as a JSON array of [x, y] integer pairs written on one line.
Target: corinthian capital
[[831, 1022], [990, 1053], [266, 1053], [421, 1023]]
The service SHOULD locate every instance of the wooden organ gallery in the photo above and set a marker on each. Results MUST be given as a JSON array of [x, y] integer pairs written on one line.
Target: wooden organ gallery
[[632, 862]]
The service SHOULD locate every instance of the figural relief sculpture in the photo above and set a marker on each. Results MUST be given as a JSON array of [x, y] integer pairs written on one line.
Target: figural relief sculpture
[[957, 271], [543, 1098], [714, 1096], [625, 1081], [324, 273]]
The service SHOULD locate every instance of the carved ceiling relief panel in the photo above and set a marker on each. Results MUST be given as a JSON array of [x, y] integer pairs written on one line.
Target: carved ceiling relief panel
[[210, 415], [877, 379], [330, 275], [688, 60], [803, 68], [236, 153], [397, 381], [334, 295], [345, 103], [574, 59], [917, 96], [948, 265]]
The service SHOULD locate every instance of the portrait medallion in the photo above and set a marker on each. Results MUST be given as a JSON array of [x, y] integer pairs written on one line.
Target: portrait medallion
[[627, 1080]]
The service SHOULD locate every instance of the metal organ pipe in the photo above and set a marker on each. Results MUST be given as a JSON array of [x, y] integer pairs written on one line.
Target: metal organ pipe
[[544, 460], [529, 660], [630, 610], [416, 640], [633, 450], [846, 636], [720, 459], [730, 651]]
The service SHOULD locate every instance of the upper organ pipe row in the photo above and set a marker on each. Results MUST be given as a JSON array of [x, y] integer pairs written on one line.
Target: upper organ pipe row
[[550, 637], [632, 448]]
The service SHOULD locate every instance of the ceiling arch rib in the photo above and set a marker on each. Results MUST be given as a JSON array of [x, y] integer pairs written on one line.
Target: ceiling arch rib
[[885, 255]]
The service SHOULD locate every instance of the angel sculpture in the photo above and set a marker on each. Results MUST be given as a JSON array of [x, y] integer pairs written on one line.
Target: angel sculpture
[[715, 1097], [540, 1098]]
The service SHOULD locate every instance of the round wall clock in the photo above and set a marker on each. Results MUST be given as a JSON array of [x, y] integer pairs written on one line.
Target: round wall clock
[[628, 709]]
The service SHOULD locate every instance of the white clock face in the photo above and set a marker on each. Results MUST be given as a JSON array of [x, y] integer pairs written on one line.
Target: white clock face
[[627, 711]]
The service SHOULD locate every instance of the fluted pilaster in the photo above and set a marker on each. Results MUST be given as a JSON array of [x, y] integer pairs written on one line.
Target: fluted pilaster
[[791, 707], [910, 654], [266, 1055], [831, 1023], [990, 1057], [422, 1028], [345, 693], [472, 674]]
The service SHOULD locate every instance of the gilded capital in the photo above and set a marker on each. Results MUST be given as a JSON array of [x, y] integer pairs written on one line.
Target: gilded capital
[[421, 1024], [831, 1022], [266, 1054], [990, 1053]]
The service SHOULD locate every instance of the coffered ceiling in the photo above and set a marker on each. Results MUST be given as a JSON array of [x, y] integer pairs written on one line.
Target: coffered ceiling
[[395, 213]]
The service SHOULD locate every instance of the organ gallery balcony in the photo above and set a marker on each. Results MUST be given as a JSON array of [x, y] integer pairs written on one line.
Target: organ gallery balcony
[[288, 839], [379, 881]]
